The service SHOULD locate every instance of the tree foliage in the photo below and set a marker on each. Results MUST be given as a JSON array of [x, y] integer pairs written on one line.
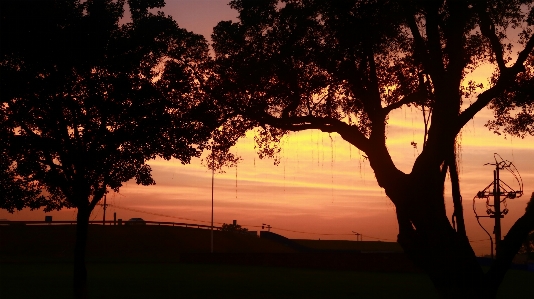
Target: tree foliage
[[344, 66], [88, 100], [233, 228], [514, 109], [88, 97]]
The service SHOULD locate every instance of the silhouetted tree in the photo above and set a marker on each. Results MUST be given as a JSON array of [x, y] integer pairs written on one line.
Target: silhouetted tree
[[87, 97], [344, 66], [234, 228]]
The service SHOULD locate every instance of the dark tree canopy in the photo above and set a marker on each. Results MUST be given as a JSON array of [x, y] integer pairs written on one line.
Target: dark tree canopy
[[313, 58], [91, 100], [514, 109], [17, 192], [87, 98], [343, 66]]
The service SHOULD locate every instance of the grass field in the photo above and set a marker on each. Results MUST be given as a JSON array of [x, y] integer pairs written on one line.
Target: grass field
[[371, 246], [142, 262], [207, 281], [153, 280]]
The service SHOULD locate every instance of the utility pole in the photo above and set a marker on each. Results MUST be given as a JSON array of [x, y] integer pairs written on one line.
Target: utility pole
[[104, 206], [212, 180], [268, 226], [500, 190], [358, 236], [497, 206]]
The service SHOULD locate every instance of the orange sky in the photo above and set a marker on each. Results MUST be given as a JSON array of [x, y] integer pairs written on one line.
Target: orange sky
[[322, 186]]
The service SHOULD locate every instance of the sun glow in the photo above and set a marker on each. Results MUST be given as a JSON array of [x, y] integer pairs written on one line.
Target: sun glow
[[323, 185]]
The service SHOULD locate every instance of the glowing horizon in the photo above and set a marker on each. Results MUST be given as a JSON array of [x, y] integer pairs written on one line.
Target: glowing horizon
[[323, 187], [311, 190]]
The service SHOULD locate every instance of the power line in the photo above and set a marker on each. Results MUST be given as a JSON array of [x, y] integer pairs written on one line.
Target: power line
[[259, 226], [474, 241], [157, 214], [256, 226]]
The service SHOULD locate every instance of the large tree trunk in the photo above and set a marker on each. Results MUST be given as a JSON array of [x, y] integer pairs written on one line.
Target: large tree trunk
[[429, 240], [425, 233], [80, 272]]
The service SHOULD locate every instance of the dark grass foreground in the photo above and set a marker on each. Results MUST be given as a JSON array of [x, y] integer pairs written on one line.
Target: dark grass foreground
[[207, 281], [172, 262], [156, 280]]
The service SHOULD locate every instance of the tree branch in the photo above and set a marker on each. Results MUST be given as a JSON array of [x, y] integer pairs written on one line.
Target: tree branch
[[523, 55], [356, 76], [348, 132], [409, 99], [488, 30], [97, 196], [375, 101], [434, 40], [420, 47], [485, 98], [454, 30]]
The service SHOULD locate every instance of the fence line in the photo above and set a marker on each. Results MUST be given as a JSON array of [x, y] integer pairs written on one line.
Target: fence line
[[111, 222], [181, 224]]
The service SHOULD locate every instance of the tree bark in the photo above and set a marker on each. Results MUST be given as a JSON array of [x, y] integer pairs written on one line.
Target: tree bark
[[432, 244], [425, 232], [80, 271]]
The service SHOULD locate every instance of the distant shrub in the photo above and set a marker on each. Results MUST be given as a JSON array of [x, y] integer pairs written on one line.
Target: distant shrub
[[235, 228]]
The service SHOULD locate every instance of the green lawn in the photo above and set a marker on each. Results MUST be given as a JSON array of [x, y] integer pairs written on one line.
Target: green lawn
[[130, 280]]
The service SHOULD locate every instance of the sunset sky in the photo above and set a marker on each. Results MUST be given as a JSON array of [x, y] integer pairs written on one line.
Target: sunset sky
[[323, 187]]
